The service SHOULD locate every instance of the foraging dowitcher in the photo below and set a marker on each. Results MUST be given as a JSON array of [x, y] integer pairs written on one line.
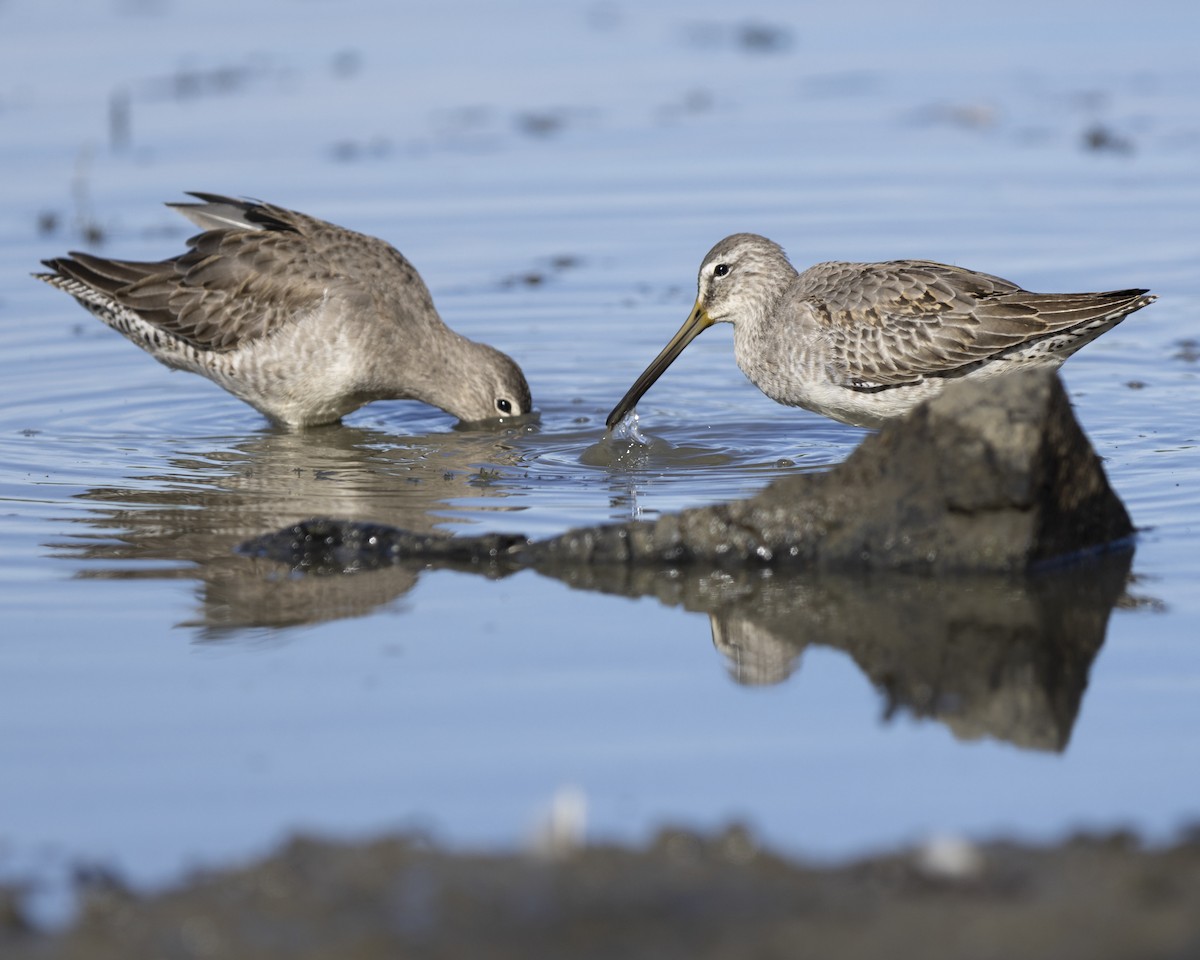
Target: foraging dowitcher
[[304, 320], [865, 342]]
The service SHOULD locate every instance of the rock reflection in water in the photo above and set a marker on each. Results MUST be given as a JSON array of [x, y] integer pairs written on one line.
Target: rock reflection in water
[[989, 656], [189, 524]]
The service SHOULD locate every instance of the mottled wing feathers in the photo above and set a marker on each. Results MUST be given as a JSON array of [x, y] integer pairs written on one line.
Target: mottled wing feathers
[[254, 269], [214, 297], [885, 324]]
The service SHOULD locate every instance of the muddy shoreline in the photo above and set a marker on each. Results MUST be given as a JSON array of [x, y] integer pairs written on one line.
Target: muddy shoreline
[[682, 895]]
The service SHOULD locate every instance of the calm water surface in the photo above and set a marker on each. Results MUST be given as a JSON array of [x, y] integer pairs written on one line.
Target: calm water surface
[[165, 702]]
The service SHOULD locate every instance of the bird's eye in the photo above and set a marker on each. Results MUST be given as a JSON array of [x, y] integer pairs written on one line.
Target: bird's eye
[[720, 269], [504, 406]]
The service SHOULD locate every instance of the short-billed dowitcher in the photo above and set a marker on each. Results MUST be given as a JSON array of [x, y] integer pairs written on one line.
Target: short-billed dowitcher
[[304, 320], [865, 342]]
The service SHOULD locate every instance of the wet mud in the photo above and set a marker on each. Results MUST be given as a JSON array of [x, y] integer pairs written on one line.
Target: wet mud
[[682, 895]]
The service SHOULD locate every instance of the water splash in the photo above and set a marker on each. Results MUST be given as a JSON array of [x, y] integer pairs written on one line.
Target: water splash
[[627, 429], [624, 447]]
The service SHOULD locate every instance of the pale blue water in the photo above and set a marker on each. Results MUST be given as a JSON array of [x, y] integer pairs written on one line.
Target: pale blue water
[[163, 703]]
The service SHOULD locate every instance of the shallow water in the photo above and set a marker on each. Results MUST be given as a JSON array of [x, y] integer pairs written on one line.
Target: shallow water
[[166, 702]]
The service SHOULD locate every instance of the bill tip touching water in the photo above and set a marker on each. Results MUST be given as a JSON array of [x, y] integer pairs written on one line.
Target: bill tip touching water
[[303, 320], [865, 342]]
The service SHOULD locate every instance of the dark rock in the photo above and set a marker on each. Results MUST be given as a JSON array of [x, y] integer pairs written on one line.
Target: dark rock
[[994, 476], [324, 546], [988, 477]]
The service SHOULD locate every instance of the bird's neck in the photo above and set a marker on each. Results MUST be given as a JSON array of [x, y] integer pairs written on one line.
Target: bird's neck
[[764, 299]]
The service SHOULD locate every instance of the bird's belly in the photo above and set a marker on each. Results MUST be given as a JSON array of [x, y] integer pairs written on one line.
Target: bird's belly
[[295, 389], [872, 407], [858, 407]]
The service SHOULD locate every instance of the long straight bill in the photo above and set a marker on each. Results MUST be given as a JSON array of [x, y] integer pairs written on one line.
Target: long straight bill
[[696, 323]]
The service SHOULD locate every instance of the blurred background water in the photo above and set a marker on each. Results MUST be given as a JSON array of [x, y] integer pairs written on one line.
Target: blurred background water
[[556, 171]]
